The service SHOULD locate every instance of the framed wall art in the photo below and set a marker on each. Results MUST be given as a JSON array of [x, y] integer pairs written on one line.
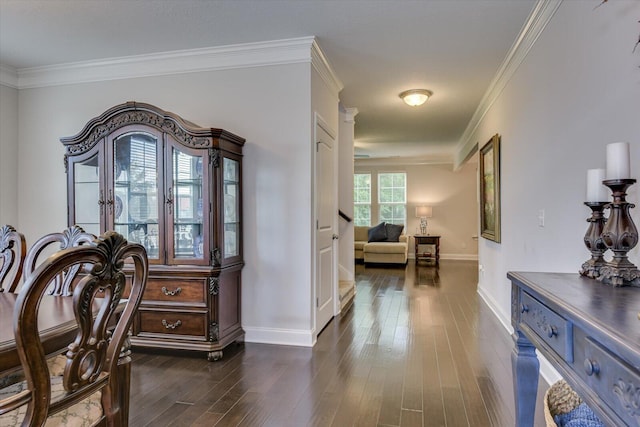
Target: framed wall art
[[490, 189]]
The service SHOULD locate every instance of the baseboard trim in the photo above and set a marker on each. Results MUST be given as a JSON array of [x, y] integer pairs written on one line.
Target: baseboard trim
[[455, 257], [295, 337], [460, 257], [494, 307]]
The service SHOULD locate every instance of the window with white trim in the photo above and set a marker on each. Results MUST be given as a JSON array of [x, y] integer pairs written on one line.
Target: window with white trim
[[362, 199], [392, 197]]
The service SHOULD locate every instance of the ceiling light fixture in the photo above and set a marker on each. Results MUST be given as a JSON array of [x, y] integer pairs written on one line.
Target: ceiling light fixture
[[415, 97]]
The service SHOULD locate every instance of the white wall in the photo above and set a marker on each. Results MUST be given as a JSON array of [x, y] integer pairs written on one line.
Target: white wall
[[577, 90], [276, 175], [8, 155], [324, 107], [452, 195]]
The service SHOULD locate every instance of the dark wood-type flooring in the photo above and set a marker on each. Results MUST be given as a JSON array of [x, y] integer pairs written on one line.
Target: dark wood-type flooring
[[417, 348]]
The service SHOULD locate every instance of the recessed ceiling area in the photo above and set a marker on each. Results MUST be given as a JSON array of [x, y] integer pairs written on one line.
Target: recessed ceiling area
[[377, 48]]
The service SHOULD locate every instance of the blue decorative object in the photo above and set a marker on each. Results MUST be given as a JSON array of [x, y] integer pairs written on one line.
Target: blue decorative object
[[582, 416]]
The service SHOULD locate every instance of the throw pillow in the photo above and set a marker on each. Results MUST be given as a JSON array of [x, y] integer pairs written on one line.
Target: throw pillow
[[378, 233], [393, 232]]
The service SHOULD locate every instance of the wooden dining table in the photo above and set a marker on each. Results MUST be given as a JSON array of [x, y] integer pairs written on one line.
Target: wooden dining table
[[58, 328], [56, 321]]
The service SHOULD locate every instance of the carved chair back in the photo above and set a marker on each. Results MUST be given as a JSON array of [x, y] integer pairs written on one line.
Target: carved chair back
[[13, 248], [62, 283], [92, 359]]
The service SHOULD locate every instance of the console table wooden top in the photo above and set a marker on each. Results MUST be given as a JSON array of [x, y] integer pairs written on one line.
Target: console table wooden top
[[589, 331]]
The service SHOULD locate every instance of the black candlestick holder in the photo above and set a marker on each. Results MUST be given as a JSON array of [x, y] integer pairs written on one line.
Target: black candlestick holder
[[593, 240], [620, 235]]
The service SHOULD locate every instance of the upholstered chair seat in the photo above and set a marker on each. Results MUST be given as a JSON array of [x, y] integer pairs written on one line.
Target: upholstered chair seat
[[85, 413]]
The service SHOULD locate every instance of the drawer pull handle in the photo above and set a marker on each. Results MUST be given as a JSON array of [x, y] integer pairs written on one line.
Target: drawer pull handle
[[168, 325], [591, 367], [552, 331], [524, 308], [169, 293]]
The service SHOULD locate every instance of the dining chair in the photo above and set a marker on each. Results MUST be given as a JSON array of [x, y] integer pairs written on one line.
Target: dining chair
[[62, 283], [70, 237], [13, 248], [94, 389]]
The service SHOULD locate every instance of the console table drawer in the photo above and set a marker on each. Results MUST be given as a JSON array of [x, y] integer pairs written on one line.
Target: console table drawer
[[552, 328], [616, 382]]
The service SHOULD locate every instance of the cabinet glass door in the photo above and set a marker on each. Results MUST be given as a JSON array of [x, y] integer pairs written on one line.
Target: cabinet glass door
[[189, 207], [231, 207], [88, 198], [134, 202]]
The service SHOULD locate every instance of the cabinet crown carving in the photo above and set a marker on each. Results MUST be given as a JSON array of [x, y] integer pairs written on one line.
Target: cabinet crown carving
[[136, 113]]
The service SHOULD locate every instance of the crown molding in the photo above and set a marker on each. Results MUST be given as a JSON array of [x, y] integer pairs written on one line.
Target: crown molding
[[8, 76], [323, 67], [536, 23], [402, 161], [277, 52]]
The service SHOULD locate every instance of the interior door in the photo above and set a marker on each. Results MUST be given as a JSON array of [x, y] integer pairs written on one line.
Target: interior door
[[326, 213]]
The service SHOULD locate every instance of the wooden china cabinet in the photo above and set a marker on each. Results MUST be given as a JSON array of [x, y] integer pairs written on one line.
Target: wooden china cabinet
[[176, 189]]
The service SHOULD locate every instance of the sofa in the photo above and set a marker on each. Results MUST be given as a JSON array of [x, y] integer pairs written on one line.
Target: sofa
[[380, 251]]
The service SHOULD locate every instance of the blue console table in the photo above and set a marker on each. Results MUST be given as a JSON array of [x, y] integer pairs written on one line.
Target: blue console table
[[590, 332]]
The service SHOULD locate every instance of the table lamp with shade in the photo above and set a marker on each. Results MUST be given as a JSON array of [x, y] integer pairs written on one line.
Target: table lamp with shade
[[424, 212]]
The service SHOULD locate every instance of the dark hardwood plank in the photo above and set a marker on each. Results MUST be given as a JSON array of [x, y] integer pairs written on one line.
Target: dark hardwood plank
[[412, 391], [433, 400], [369, 408], [391, 404], [417, 348], [239, 410]]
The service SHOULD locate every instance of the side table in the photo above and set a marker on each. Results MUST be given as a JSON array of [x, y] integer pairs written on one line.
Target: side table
[[421, 239]]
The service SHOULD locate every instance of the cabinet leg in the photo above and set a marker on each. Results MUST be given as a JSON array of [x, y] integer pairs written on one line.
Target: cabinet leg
[[212, 356], [525, 366]]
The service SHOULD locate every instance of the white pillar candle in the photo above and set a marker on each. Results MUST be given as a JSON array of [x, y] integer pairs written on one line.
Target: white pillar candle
[[596, 191], [618, 161]]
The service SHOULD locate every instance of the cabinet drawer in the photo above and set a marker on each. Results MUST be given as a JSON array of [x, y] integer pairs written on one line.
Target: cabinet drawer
[[173, 323], [552, 328], [175, 290], [614, 381]]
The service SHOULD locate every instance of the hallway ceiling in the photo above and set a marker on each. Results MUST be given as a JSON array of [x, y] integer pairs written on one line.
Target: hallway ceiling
[[377, 49]]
